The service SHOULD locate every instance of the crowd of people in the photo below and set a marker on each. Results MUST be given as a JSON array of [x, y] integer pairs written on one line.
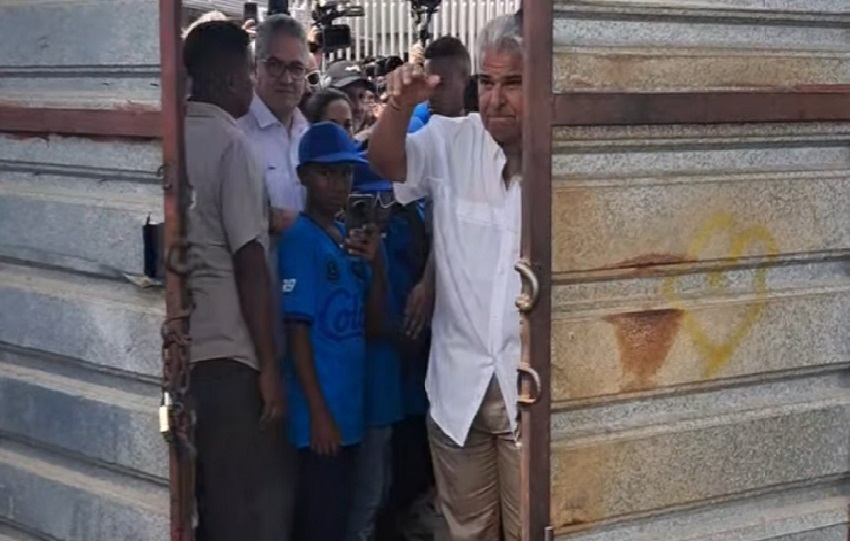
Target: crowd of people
[[354, 336]]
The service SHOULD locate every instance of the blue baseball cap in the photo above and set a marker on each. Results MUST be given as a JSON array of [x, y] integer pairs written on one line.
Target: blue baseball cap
[[367, 180], [327, 142]]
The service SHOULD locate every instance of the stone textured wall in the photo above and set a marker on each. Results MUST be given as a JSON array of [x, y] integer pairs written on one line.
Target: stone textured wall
[[81, 458], [701, 298]]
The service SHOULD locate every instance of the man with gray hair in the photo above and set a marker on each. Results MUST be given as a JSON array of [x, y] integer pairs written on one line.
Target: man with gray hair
[[274, 124], [470, 167]]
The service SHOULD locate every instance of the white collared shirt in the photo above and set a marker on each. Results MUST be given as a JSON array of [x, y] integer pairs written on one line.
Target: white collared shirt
[[277, 148], [476, 326]]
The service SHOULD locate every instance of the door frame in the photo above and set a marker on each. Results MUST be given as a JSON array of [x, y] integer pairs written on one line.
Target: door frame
[[536, 254], [176, 421], [545, 110]]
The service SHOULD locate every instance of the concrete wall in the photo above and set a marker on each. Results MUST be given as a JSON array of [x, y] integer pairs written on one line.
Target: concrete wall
[[81, 458], [701, 299]]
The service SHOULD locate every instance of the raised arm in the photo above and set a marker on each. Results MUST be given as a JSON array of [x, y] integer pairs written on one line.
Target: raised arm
[[407, 87]]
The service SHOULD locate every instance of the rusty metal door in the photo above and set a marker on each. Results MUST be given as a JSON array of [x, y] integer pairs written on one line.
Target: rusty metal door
[[686, 186], [176, 420]]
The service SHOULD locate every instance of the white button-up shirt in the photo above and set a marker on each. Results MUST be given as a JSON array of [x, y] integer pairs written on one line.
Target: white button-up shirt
[[277, 147], [476, 326]]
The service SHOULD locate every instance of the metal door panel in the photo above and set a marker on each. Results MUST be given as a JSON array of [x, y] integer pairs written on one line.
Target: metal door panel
[[696, 278]]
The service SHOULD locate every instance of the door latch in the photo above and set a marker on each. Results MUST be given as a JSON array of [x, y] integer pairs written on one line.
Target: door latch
[[524, 373], [527, 300]]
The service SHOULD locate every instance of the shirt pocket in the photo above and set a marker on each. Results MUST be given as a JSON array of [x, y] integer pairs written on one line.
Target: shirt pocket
[[474, 212], [477, 239]]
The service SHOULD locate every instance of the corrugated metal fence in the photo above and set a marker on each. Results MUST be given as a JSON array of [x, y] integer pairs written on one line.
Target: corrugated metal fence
[[388, 28]]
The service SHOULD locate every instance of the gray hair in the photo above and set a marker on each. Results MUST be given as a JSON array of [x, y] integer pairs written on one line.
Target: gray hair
[[278, 25], [502, 34]]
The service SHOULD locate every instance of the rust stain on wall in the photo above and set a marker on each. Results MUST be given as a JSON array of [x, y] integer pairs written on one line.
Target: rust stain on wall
[[644, 339]]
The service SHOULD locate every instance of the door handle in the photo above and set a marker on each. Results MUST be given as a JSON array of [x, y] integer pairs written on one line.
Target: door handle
[[527, 299], [524, 371]]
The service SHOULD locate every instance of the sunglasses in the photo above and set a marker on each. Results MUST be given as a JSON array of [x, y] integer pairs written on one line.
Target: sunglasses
[[314, 78]]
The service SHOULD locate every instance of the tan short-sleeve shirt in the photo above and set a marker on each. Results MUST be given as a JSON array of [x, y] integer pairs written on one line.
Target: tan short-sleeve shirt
[[229, 209]]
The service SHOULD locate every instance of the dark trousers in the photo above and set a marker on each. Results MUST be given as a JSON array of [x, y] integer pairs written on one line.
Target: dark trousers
[[245, 477], [325, 488], [411, 460], [413, 474]]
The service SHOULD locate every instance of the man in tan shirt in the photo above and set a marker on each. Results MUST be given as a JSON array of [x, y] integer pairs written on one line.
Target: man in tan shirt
[[242, 479]]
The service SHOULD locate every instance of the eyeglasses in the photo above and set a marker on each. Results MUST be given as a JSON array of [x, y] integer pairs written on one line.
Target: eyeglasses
[[276, 68]]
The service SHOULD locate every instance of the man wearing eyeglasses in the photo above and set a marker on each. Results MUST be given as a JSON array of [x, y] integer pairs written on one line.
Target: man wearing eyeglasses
[[274, 124]]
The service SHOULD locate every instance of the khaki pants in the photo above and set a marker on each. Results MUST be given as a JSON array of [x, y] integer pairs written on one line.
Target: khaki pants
[[478, 484]]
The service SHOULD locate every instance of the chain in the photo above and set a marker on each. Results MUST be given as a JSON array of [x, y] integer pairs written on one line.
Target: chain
[[176, 418], [176, 415]]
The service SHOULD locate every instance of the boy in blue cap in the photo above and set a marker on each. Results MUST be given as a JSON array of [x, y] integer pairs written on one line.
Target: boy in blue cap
[[333, 290]]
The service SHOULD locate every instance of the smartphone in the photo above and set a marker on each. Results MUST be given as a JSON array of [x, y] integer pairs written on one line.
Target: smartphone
[[250, 12], [359, 211]]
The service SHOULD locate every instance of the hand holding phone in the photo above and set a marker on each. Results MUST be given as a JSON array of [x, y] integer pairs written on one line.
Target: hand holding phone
[[359, 211], [360, 225], [364, 242]]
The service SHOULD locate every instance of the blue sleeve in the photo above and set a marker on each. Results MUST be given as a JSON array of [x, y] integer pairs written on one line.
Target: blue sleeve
[[296, 264], [423, 112], [415, 125]]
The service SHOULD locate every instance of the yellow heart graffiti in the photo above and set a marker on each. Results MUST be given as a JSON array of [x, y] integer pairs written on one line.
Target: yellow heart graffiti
[[718, 353]]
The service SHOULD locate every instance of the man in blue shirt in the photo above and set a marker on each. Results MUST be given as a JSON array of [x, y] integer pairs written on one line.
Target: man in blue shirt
[[448, 58], [333, 293]]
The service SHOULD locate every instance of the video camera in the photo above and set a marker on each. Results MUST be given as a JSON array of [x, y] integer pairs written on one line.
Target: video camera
[[334, 37], [422, 12], [377, 68]]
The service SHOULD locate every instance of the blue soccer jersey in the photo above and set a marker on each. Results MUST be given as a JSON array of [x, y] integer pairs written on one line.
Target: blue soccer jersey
[[327, 289], [384, 402], [404, 272]]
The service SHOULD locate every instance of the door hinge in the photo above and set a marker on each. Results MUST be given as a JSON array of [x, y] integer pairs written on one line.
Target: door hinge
[[549, 534]]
